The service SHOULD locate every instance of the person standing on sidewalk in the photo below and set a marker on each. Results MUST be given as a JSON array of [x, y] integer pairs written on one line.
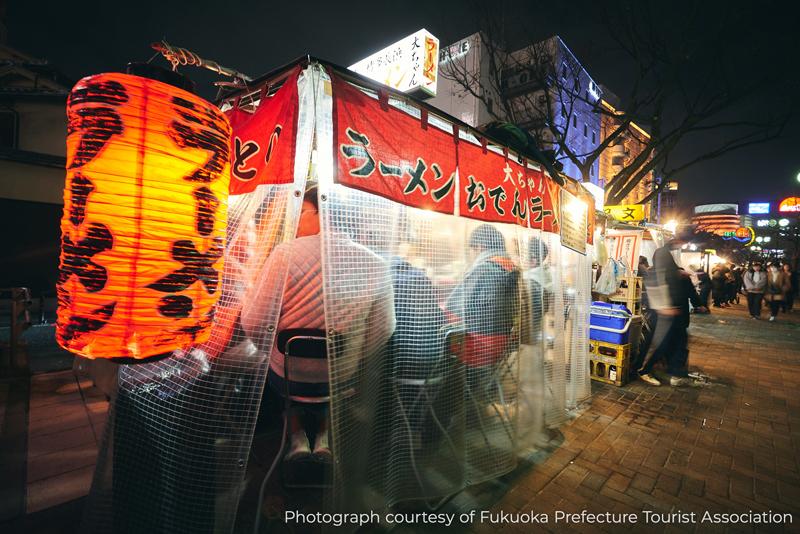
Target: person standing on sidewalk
[[778, 285], [788, 299], [754, 283], [669, 296], [718, 287]]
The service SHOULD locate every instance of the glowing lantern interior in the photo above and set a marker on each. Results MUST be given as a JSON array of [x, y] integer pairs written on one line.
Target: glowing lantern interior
[[144, 219]]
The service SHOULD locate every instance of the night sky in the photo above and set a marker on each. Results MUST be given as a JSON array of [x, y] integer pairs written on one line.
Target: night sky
[[81, 38]]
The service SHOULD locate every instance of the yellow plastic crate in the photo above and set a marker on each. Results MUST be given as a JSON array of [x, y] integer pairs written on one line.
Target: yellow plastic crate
[[609, 363], [632, 290]]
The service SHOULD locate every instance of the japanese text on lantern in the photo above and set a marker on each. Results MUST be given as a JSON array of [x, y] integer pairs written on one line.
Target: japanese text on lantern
[[143, 227]]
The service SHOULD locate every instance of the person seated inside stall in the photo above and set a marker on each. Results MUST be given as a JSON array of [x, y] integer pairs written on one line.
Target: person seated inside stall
[[418, 341], [368, 322], [540, 282], [485, 304]]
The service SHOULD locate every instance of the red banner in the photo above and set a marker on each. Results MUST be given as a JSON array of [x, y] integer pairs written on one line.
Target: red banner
[[387, 152], [543, 201], [263, 142], [493, 188]]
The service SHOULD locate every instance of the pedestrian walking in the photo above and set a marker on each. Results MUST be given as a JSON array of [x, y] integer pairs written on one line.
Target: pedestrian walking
[[669, 295], [718, 287], [703, 286], [777, 286], [737, 276], [788, 300], [754, 283]]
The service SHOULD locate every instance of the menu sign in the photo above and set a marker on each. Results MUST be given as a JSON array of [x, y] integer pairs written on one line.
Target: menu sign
[[574, 222]]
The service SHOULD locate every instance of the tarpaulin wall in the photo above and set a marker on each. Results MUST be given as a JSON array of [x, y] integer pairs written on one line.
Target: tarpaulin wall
[[179, 430], [457, 327]]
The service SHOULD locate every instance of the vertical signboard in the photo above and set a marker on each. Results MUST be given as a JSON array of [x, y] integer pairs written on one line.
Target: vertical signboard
[[574, 222], [410, 65]]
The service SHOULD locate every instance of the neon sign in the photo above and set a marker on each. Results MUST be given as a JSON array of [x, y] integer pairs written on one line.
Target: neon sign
[[790, 205]]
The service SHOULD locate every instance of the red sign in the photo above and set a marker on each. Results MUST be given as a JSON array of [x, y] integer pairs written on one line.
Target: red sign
[[493, 188], [263, 142], [543, 202], [789, 205], [387, 152]]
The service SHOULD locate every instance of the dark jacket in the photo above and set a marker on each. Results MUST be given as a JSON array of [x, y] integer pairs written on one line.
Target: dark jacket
[[688, 294], [418, 340], [665, 271], [486, 304], [718, 283]]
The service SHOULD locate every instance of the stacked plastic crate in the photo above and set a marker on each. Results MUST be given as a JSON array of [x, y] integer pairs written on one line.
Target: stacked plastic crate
[[615, 329]]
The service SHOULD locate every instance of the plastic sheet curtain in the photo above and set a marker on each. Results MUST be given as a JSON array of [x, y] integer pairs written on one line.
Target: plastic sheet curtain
[[179, 431], [554, 359], [144, 218], [449, 359], [410, 418], [577, 271]]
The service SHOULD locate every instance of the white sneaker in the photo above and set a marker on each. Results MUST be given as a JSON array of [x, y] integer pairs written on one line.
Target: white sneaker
[[772, 318], [679, 381], [650, 379]]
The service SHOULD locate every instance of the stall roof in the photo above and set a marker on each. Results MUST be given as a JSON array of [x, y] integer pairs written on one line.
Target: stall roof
[[254, 87]]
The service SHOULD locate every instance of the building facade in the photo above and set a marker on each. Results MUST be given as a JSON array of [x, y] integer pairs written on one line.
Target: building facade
[[542, 89], [33, 128], [622, 151]]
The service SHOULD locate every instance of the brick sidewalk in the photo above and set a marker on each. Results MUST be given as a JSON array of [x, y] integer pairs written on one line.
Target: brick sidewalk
[[730, 446]]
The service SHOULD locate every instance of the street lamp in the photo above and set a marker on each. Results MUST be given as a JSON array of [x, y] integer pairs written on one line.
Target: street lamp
[[671, 226]]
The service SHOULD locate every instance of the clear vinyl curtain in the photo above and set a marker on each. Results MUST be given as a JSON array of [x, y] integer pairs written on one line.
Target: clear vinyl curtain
[[179, 432], [424, 376], [577, 270], [448, 361]]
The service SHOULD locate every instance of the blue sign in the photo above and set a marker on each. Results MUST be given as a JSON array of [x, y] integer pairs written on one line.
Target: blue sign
[[758, 208]]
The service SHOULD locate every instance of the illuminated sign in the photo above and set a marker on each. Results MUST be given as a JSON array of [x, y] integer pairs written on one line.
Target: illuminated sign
[[626, 212], [717, 208], [790, 204], [597, 192], [454, 51], [758, 208], [743, 234], [762, 222], [409, 65]]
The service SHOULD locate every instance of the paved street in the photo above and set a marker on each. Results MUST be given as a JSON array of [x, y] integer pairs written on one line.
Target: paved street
[[729, 446]]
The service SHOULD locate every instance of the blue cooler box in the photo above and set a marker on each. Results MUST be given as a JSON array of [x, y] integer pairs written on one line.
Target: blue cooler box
[[609, 323]]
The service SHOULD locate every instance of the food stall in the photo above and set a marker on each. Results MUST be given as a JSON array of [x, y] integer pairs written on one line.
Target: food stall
[[420, 407]]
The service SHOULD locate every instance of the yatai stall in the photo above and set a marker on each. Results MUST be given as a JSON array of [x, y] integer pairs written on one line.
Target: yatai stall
[[447, 284]]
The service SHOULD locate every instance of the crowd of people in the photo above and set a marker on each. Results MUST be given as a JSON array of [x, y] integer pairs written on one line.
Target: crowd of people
[[670, 290], [776, 286]]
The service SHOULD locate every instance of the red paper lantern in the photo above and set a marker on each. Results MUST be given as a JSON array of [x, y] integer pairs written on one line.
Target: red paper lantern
[[144, 218]]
